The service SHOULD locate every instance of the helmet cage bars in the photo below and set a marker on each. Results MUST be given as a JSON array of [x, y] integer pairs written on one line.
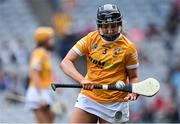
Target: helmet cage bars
[[109, 15]]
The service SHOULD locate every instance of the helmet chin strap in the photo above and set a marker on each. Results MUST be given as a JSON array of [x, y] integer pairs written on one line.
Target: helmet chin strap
[[112, 38]]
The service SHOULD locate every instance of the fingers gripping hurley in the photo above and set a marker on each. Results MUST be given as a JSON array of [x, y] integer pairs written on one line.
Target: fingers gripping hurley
[[148, 87]]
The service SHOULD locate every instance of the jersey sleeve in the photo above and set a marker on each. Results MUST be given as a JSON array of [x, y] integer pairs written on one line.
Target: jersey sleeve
[[36, 60], [132, 57], [82, 46]]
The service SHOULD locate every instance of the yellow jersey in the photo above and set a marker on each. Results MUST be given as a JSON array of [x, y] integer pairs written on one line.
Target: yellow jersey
[[106, 64], [41, 61]]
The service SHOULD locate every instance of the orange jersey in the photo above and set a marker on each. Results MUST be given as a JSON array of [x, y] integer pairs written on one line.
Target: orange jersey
[[40, 61], [106, 64]]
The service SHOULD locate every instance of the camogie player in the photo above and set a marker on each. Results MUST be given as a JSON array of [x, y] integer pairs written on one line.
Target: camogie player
[[110, 57], [39, 97]]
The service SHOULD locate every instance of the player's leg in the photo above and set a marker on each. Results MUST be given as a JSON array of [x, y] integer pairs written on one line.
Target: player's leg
[[39, 115], [46, 114], [80, 116], [102, 121], [42, 115], [49, 115]]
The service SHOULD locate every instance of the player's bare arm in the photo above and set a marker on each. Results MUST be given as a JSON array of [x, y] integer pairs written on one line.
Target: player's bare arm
[[35, 78], [133, 78], [68, 67]]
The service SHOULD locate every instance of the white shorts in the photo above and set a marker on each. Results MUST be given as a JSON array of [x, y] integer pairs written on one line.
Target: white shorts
[[112, 112], [33, 98]]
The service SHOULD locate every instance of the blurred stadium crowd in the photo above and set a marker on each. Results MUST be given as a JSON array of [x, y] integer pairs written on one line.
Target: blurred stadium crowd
[[154, 26]]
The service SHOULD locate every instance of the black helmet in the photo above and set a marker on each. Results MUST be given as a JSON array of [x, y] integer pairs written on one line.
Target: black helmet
[[109, 14]]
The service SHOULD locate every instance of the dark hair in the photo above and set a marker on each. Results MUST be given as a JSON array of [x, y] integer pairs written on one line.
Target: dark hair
[[44, 45], [41, 44]]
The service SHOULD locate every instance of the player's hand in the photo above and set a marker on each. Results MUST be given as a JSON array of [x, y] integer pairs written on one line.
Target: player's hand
[[87, 85], [131, 96]]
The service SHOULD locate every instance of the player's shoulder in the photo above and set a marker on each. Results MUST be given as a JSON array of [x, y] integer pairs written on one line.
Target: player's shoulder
[[93, 34], [127, 42]]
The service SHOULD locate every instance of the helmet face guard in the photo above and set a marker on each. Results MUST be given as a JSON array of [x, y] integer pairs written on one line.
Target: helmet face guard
[[109, 22]]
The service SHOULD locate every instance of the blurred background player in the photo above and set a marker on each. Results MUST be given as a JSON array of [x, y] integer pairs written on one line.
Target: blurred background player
[[39, 97], [110, 57]]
